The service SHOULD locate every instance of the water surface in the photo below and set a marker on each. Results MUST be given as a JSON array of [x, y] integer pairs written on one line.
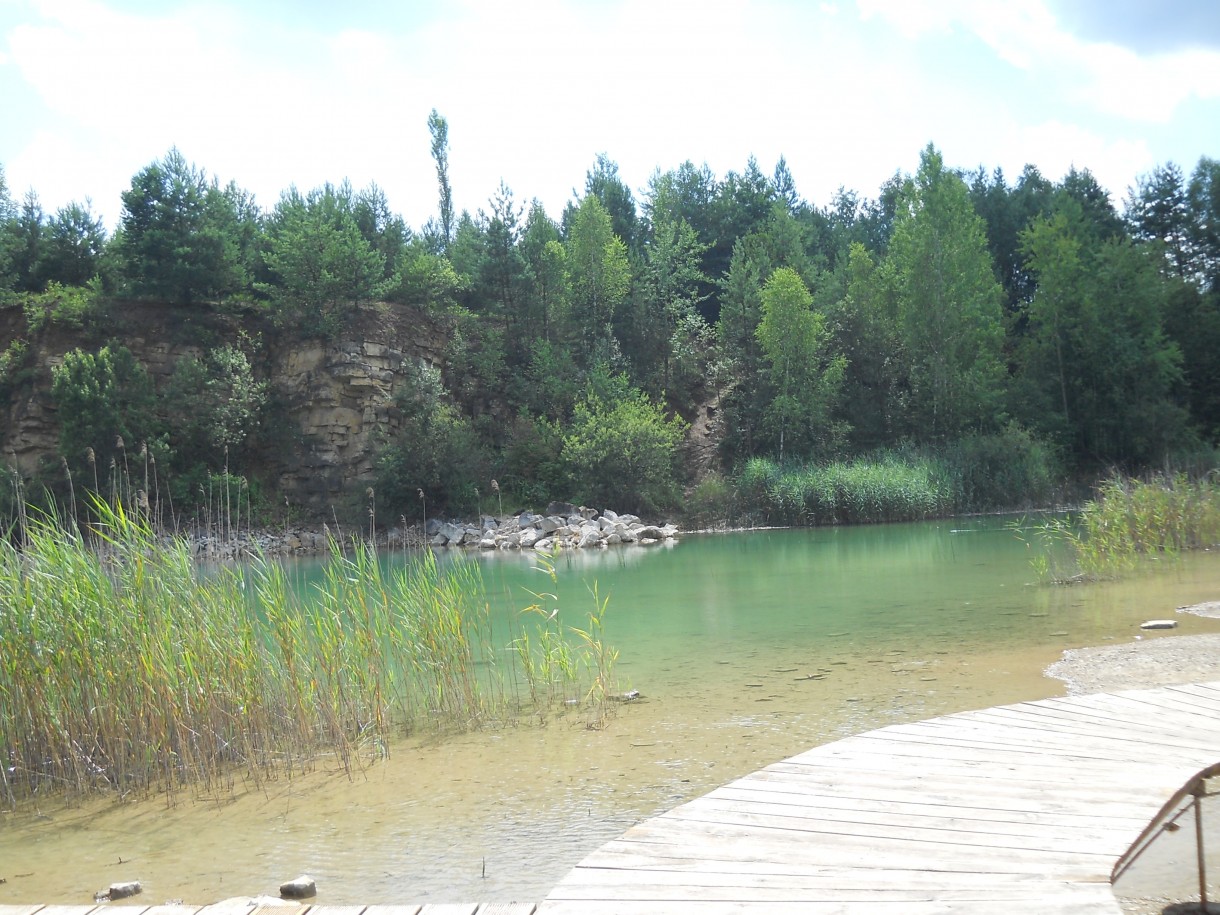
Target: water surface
[[746, 648]]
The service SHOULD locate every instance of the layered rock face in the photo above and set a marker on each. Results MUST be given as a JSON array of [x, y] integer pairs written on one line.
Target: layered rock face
[[336, 398]]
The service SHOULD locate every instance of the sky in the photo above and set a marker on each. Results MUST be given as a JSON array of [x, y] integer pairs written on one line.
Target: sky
[[276, 93]]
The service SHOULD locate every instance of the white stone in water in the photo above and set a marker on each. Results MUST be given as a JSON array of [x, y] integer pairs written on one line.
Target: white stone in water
[[1159, 624], [303, 887]]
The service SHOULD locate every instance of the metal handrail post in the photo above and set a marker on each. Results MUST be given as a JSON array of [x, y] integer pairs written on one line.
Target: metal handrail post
[[1200, 792]]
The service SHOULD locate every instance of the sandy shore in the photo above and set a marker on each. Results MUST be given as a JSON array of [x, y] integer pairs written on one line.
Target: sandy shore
[[1153, 661]]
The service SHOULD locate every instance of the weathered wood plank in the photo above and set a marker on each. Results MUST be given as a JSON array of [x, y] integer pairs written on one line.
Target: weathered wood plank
[[1023, 808], [507, 908], [449, 908], [392, 910], [19, 909], [1040, 905], [347, 909], [169, 908]]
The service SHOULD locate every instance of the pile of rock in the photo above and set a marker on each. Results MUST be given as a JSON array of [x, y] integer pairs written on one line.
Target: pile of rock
[[563, 525]]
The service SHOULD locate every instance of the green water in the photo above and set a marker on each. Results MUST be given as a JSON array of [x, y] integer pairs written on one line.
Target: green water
[[746, 648]]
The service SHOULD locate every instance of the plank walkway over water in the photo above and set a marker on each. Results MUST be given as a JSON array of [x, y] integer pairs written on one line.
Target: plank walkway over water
[[1021, 808]]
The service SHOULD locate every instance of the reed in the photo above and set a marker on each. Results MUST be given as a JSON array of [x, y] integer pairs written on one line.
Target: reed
[[887, 488], [1132, 520], [126, 667]]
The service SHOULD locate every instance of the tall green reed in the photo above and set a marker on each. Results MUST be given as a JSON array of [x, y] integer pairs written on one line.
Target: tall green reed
[[126, 667], [1131, 520]]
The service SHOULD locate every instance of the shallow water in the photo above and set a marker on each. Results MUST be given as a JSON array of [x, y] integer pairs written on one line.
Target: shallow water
[[720, 634]]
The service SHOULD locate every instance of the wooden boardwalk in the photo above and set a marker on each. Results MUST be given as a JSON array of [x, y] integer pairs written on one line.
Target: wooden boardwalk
[[1021, 808], [243, 906]]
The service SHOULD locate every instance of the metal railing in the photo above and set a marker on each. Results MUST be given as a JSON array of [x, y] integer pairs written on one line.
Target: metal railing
[[1188, 799]]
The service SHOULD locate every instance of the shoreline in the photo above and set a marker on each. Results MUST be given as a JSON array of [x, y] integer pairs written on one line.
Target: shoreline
[[1146, 662]]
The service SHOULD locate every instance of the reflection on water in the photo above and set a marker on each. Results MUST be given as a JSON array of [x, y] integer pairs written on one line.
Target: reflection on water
[[746, 647]]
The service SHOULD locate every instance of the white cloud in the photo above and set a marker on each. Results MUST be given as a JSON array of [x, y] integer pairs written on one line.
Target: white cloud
[[534, 92]]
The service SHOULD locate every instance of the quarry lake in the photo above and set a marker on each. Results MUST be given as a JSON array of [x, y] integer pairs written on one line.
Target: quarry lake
[[744, 647]]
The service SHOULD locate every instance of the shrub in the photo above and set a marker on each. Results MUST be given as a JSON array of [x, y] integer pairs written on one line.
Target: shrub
[[620, 450]]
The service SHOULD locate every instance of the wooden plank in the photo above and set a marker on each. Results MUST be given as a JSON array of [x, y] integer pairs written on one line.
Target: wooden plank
[[1025, 806], [19, 909], [348, 909], [507, 908], [68, 909], [169, 908], [392, 910], [239, 905], [449, 908], [1037, 904], [1079, 829]]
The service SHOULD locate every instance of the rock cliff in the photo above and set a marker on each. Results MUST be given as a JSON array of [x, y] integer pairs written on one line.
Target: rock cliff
[[336, 398]]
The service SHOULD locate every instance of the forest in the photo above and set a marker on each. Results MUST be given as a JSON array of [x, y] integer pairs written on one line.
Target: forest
[[990, 339]]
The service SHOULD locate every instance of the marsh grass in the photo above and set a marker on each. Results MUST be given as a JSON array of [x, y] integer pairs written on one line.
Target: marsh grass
[[1130, 521], [126, 667], [557, 669], [888, 488]]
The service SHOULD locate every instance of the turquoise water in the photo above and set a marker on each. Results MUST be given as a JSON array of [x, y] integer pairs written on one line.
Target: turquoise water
[[746, 648]]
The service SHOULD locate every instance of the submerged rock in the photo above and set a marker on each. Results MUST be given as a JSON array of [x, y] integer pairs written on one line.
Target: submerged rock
[[1159, 624]]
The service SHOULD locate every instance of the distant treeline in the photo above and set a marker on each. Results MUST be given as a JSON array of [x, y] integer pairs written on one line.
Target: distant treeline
[[952, 307]]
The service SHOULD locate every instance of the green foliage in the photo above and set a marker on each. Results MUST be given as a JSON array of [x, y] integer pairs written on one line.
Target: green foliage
[[948, 306], [1002, 471], [179, 239], [126, 670], [621, 450], [216, 404], [433, 449], [600, 277], [68, 306], [888, 488], [320, 263], [806, 380], [106, 404], [709, 502], [1098, 373], [1130, 520]]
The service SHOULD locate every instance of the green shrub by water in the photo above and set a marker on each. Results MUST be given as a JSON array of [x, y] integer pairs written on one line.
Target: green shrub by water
[[124, 667], [1130, 520], [977, 473], [886, 489]]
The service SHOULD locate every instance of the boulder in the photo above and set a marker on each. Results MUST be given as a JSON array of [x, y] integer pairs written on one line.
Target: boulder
[[548, 525], [487, 543], [609, 515], [564, 509], [589, 538], [588, 514], [1159, 624], [303, 887], [452, 533], [123, 890], [528, 538], [649, 532]]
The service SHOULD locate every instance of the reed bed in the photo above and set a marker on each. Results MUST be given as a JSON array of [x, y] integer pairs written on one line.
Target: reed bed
[[1130, 520], [125, 667], [888, 488]]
